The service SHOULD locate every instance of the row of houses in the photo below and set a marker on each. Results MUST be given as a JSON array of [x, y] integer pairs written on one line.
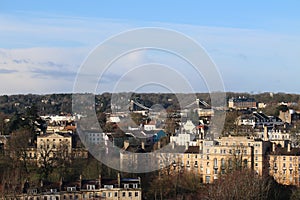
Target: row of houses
[[211, 158], [100, 188]]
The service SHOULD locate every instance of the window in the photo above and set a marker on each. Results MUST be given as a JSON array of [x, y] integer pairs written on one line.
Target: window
[[126, 185], [70, 189], [129, 194], [230, 163], [196, 163], [245, 163], [116, 194], [103, 194], [215, 163], [109, 194], [207, 179], [90, 187], [136, 194], [123, 194], [135, 185], [284, 158], [207, 171], [223, 163], [215, 171]]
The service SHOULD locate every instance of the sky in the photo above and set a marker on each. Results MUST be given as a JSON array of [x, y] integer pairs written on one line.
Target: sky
[[255, 45]]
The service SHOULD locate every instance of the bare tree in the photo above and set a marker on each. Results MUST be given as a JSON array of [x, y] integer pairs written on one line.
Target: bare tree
[[19, 144], [47, 159], [239, 184]]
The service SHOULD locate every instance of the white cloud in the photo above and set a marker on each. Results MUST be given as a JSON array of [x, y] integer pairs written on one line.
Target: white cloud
[[43, 54]]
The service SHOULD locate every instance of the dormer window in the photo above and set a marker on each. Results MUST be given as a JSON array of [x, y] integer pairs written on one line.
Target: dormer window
[[126, 185], [91, 187], [108, 186], [135, 185], [53, 190], [71, 189]]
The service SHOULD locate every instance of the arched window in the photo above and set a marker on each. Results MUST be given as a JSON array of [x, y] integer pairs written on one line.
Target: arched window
[[223, 163], [229, 163], [245, 163], [215, 163]]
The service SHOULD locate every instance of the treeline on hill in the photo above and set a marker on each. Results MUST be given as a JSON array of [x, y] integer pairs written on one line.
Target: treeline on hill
[[62, 103]]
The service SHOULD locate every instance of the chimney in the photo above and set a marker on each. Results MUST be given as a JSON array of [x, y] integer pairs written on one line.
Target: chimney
[[158, 145], [201, 146], [289, 147], [119, 180], [265, 133], [60, 183], [99, 180], [126, 144], [186, 145], [80, 181], [140, 182], [143, 145]]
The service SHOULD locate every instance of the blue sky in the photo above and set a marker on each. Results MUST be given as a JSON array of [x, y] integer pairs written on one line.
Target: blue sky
[[255, 44]]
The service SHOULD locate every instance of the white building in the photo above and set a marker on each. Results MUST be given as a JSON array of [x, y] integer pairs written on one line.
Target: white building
[[189, 127], [182, 139], [95, 137], [150, 126]]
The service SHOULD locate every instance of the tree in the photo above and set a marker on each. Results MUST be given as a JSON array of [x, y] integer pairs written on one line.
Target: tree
[[47, 159], [63, 158], [19, 145], [230, 124], [178, 185], [238, 184]]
